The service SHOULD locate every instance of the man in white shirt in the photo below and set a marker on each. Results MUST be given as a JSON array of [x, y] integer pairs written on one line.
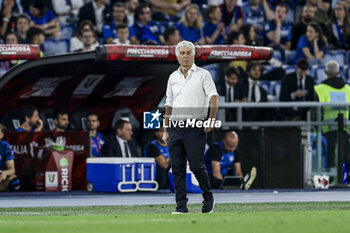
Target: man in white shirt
[[189, 91], [121, 145]]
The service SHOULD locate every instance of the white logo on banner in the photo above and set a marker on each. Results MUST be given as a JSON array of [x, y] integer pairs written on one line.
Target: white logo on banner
[[44, 87], [87, 85], [127, 86], [51, 179]]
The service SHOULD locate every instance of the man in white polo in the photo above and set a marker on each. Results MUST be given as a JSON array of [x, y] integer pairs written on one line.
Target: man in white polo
[[190, 90]]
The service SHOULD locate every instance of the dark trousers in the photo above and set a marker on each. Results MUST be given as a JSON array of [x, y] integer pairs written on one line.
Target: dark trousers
[[188, 144]]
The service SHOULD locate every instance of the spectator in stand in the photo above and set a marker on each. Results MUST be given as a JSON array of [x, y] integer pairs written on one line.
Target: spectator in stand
[[190, 25], [130, 6], [119, 17], [75, 42], [232, 15], [168, 10], [159, 150], [23, 24], [97, 139], [67, 11], [339, 36], [248, 31], [88, 37], [253, 92], [297, 86], [10, 10], [223, 159], [171, 36], [98, 12], [231, 88], [29, 119], [214, 30], [145, 28], [8, 178], [122, 35], [321, 16], [10, 38], [43, 19], [278, 31], [299, 29], [237, 38], [311, 45], [61, 120], [36, 36], [121, 144], [257, 13]]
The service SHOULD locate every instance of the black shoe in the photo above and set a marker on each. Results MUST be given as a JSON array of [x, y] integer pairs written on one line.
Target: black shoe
[[180, 211], [208, 206]]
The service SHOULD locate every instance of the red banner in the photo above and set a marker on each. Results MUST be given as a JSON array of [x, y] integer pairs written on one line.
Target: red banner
[[167, 53], [32, 157], [19, 52]]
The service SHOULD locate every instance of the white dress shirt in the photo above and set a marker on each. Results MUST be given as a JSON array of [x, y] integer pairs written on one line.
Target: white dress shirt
[[122, 147], [256, 90], [99, 16], [302, 83], [189, 97]]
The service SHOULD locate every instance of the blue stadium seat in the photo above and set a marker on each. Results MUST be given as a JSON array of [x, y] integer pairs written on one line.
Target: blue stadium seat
[[289, 68], [67, 31], [289, 57], [337, 55], [214, 71], [277, 55], [266, 85], [276, 88], [56, 46]]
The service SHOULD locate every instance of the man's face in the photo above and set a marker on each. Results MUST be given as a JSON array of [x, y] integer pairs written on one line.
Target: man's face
[[131, 5], [159, 134], [62, 122], [22, 25], [126, 132], [301, 73], [87, 38], [308, 13], [11, 39], [92, 122], [185, 57], [281, 13], [34, 11], [241, 40], [232, 79], [230, 144], [146, 14], [1, 134], [123, 34], [118, 13], [255, 73], [33, 120], [175, 38]]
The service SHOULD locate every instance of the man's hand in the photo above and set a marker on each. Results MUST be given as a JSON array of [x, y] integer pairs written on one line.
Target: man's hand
[[299, 93], [39, 126], [3, 176], [165, 136], [211, 123]]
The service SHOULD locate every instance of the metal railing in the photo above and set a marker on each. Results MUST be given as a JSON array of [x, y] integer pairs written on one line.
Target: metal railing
[[306, 125]]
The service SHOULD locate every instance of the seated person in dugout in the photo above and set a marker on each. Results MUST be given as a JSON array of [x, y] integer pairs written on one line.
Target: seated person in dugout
[[222, 158], [8, 179], [160, 151]]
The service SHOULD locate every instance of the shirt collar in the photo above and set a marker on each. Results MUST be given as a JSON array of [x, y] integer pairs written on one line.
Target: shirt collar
[[193, 68], [120, 140], [95, 6], [251, 81]]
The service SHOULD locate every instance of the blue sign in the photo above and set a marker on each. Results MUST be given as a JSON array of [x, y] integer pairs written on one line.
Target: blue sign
[[151, 120]]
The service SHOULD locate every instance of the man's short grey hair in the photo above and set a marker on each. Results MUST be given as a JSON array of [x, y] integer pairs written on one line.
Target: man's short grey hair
[[185, 44], [332, 68]]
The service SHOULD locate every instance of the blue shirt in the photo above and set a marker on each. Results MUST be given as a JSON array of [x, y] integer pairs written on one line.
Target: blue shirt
[[20, 129], [225, 162], [6, 153], [286, 31], [254, 17], [151, 31], [161, 150], [189, 33], [96, 145], [303, 42], [110, 31], [47, 17], [208, 31]]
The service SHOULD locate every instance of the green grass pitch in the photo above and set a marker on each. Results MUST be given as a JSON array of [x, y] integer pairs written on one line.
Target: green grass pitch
[[244, 218]]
